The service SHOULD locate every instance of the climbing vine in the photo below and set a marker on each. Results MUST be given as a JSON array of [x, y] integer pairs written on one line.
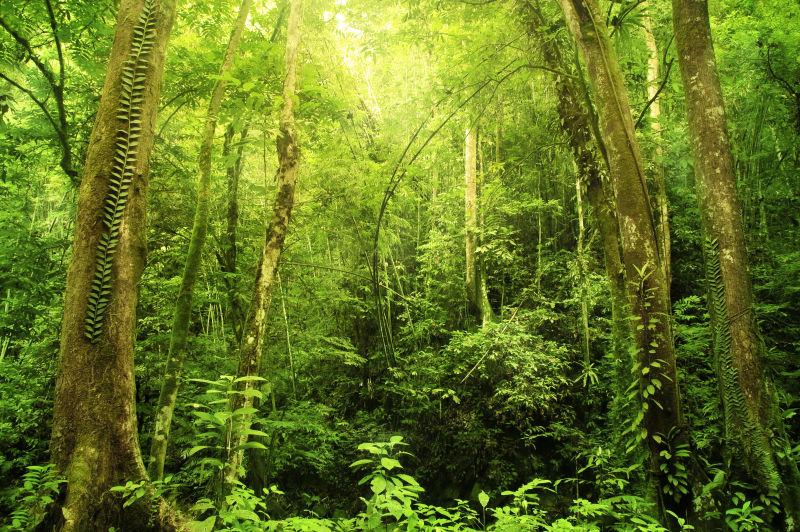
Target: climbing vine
[[739, 425], [129, 114]]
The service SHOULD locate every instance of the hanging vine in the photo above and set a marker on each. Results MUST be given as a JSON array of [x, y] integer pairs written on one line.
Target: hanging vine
[[129, 114]]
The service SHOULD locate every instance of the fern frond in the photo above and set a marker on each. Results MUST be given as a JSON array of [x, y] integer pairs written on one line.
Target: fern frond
[[746, 437], [129, 113]]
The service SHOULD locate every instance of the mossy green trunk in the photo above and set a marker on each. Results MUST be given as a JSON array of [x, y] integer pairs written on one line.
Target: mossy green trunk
[[253, 336], [752, 422], [95, 442], [183, 307], [646, 283]]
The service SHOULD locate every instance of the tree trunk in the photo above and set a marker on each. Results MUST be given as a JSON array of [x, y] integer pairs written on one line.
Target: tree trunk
[[94, 442], [581, 261], [659, 179], [477, 295], [580, 124], [253, 337], [646, 283], [575, 112], [750, 410], [183, 306], [229, 251]]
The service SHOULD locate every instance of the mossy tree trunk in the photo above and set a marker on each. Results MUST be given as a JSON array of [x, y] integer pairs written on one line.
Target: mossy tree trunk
[[183, 307], [94, 441], [253, 336], [752, 422], [646, 283]]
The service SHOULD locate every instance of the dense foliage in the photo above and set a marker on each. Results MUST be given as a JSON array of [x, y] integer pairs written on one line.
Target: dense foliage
[[382, 401]]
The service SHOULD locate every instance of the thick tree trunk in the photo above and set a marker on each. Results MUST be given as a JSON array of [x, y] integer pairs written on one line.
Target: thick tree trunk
[[94, 442], [749, 407], [183, 307], [253, 337], [646, 286]]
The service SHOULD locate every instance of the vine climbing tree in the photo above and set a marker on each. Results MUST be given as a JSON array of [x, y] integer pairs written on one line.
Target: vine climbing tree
[[95, 441]]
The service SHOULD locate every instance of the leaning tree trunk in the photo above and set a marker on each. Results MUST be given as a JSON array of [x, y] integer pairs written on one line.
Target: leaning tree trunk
[[183, 307], [94, 442], [646, 284], [750, 411], [253, 338]]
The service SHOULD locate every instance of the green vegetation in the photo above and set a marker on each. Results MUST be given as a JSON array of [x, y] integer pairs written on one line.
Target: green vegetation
[[344, 265]]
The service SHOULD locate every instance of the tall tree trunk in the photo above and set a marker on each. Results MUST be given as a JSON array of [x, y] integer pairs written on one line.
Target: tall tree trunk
[[253, 337], [750, 410], [646, 286], [228, 255], [659, 178], [475, 282], [183, 306], [581, 261], [94, 442], [575, 112]]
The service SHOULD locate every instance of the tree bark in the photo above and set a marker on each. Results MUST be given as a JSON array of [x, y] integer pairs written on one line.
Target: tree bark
[[579, 122], [94, 441], [751, 415], [229, 252], [183, 307], [659, 178], [581, 262], [646, 283], [477, 295], [253, 338]]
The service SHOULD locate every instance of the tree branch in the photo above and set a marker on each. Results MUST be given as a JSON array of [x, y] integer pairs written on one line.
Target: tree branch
[[788, 86], [56, 85], [28, 48], [33, 97], [655, 96]]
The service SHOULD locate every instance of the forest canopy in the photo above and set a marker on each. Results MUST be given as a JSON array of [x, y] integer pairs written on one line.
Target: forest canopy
[[339, 265]]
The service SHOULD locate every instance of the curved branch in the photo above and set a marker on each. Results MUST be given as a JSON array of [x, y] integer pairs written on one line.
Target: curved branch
[[61, 127], [29, 93], [788, 86], [397, 175], [663, 84], [22, 41]]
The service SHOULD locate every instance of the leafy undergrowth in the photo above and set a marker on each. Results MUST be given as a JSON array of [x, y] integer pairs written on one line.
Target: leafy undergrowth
[[392, 502]]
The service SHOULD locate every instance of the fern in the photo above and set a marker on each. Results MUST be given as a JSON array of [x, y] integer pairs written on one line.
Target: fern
[[129, 114], [746, 436]]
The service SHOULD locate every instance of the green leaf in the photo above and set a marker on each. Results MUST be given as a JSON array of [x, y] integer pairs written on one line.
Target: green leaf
[[378, 485], [483, 499], [252, 445], [390, 463], [196, 449]]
